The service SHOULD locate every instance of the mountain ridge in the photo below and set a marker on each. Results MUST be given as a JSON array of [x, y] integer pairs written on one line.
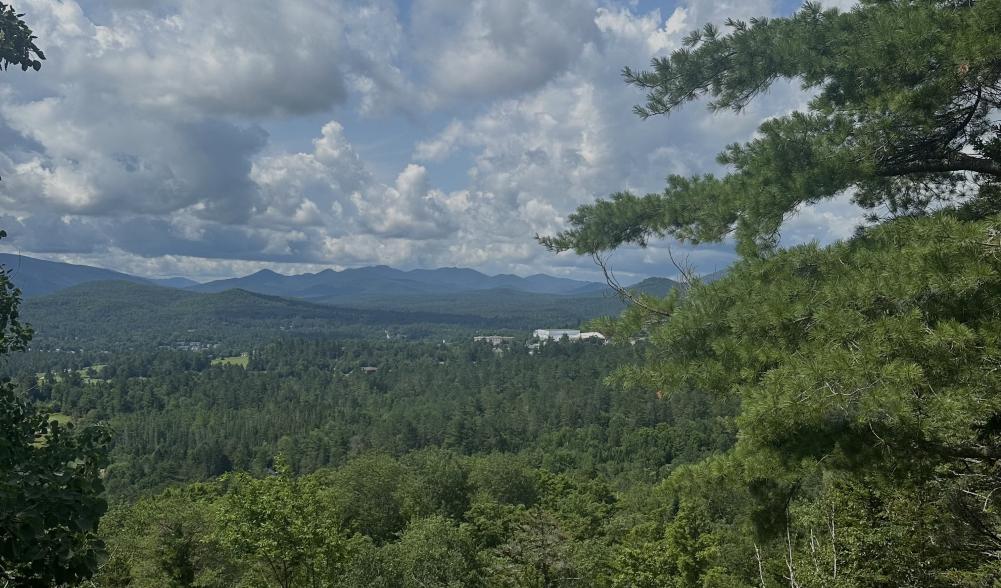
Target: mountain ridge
[[37, 277], [352, 287], [381, 280]]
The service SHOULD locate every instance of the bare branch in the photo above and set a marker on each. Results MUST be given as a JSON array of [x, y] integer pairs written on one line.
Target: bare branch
[[958, 163], [686, 271], [834, 545], [789, 562], [623, 293], [761, 569]]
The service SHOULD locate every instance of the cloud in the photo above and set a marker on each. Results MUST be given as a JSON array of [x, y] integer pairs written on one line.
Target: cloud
[[840, 4], [156, 112], [408, 209], [310, 189], [147, 113], [538, 156], [201, 58], [824, 223], [332, 188], [92, 158], [480, 49], [320, 206], [231, 136]]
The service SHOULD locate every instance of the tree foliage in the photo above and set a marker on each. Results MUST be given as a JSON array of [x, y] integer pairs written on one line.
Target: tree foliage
[[50, 478], [280, 527], [867, 448], [280, 530], [866, 376], [17, 43], [903, 117]]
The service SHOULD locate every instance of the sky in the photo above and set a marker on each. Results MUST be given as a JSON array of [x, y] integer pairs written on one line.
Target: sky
[[214, 138]]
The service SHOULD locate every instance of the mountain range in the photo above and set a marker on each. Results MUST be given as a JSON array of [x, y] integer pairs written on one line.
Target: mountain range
[[70, 304], [366, 285], [361, 284], [36, 277], [331, 286]]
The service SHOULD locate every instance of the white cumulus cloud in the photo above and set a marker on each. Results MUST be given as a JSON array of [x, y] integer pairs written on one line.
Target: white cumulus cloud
[[228, 136]]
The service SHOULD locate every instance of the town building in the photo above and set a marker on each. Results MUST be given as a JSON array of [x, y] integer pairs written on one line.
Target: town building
[[570, 334], [494, 340], [556, 334]]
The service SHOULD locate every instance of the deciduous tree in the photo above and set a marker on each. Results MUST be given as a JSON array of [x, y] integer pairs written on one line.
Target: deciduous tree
[[50, 478]]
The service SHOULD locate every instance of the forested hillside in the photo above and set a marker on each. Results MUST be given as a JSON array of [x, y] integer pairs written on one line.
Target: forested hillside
[[36, 277], [123, 315], [752, 421]]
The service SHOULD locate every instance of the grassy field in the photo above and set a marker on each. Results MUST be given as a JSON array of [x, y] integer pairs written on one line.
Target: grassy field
[[96, 369], [241, 360], [62, 419]]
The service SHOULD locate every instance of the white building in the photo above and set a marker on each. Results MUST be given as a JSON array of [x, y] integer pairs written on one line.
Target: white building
[[571, 334], [494, 340], [556, 334]]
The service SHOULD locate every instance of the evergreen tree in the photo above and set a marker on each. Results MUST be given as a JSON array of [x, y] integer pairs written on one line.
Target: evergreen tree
[[904, 115], [868, 448]]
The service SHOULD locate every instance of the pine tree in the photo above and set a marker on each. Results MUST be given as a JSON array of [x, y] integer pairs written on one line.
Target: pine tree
[[868, 446], [904, 115]]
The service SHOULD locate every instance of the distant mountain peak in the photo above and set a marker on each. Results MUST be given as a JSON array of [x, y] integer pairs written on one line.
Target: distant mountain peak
[[267, 273]]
